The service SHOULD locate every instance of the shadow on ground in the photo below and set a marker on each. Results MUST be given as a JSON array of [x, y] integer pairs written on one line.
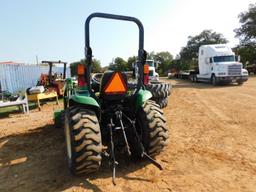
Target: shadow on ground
[[36, 161]]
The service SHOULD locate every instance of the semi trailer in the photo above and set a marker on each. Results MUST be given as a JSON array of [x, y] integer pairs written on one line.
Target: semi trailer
[[217, 63]]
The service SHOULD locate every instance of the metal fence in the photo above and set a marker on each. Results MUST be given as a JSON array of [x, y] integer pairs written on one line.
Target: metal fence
[[19, 77]]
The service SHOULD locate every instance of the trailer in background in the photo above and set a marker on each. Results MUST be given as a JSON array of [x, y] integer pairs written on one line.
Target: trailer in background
[[251, 69]]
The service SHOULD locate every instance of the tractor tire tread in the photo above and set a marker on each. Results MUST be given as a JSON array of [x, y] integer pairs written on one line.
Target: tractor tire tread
[[85, 141], [156, 127]]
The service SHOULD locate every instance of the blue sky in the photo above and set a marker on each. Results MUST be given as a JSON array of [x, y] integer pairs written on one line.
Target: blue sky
[[54, 29]]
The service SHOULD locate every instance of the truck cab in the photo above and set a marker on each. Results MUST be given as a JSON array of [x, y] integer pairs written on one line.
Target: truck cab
[[153, 75], [218, 63]]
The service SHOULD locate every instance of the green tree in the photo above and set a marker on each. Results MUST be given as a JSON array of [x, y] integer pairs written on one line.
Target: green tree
[[151, 55], [96, 67], [247, 35], [247, 52], [247, 31], [164, 60], [130, 62], [178, 64], [119, 64], [73, 68], [189, 54]]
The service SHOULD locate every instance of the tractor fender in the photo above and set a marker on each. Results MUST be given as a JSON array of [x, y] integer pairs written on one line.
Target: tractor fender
[[143, 95], [86, 101]]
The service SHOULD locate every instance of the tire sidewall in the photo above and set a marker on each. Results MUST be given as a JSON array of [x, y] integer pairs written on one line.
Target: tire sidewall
[[67, 129]]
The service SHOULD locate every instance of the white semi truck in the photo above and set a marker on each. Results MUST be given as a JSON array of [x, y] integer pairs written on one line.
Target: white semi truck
[[217, 63], [153, 75]]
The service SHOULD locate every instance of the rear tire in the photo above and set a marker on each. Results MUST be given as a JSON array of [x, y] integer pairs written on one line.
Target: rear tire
[[192, 77], [152, 128], [83, 140], [159, 89], [195, 79], [162, 102]]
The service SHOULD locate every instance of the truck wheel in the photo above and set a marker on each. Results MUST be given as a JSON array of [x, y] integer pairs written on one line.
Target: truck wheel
[[191, 77], [240, 82], [152, 128], [214, 80], [83, 140], [195, 79]]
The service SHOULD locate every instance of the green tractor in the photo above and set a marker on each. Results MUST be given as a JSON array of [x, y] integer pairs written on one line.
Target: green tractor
[[115, 117]]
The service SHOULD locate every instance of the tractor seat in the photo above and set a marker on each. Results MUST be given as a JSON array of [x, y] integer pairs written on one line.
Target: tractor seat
[[113, 85]]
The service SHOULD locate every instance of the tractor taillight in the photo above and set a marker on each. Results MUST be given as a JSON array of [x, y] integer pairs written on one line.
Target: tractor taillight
[[81, 81], [81, 75], [146, 69], [80, 69], [146, 74], [146, 79]]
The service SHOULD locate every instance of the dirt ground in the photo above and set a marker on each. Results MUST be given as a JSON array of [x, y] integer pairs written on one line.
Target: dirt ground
[[212, 147]]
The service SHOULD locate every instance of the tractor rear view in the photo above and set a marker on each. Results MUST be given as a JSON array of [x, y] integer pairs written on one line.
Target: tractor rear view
[[115, 117]]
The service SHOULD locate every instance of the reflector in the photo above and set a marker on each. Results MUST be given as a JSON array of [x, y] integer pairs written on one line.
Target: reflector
[[146, 74], [80, 69], [81, 81], [115, 85], [146, 69]]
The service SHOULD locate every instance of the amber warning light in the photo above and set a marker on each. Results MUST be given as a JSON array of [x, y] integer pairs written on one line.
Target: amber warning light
[[81, 78], [146, 74], [116, 85], [80, 69]]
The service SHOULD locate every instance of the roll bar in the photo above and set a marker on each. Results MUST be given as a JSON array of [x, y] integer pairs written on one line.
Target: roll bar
[[88, 51]]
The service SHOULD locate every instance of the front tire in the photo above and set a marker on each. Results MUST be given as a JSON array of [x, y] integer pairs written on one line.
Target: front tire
[[83, 140], [214, 80], [152, 128], [240, 83]]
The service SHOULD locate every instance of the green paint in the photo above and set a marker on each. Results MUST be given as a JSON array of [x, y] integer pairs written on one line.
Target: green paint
[[143, 95], [84, 99]]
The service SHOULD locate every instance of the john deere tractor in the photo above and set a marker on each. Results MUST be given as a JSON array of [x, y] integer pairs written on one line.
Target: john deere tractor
[[116, 117]]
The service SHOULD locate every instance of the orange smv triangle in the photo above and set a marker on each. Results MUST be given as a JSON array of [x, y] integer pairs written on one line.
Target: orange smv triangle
[[116, 85]]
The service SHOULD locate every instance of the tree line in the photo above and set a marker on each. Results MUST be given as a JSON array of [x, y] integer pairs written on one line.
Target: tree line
[[188, 56]]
